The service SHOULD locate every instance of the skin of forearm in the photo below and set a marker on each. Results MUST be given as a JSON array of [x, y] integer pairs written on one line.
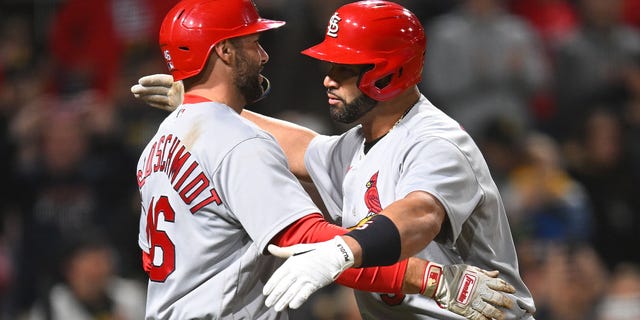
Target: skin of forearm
[[418, 217]]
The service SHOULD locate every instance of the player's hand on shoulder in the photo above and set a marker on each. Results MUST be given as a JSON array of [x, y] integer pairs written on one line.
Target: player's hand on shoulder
[[308, 268], [159, 91], [469, 291]]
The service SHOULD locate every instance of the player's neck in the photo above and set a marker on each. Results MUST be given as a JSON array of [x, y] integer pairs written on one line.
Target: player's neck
[[220, 95], [387, 114]]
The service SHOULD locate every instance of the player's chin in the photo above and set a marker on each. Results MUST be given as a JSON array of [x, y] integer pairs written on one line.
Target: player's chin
[[336, 112]]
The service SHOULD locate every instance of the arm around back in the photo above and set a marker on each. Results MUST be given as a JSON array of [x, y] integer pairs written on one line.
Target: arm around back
[[294, 140]]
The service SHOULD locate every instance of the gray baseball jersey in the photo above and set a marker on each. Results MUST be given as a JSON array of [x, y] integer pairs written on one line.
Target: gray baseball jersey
[[427, 151], [215, 189]]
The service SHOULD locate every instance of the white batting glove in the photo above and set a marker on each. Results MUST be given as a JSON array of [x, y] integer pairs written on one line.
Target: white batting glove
[[159, 91], [467, 290], [308, 268]]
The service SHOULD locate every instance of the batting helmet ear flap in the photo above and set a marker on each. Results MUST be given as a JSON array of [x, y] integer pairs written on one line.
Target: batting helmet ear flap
[[364, 70], [387, 78], [379, 84]]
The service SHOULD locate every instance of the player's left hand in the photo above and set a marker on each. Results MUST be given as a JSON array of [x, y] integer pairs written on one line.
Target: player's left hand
[[469, 291], [159, 91], [308, 268]]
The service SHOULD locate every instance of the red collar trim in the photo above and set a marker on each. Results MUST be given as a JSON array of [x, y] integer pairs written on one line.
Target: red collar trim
[[192, 98]]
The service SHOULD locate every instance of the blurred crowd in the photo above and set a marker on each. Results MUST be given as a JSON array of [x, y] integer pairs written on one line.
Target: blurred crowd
[[549, 90]]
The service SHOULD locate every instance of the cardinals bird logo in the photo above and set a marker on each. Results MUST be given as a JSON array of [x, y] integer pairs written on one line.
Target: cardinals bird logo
[[371, 200]]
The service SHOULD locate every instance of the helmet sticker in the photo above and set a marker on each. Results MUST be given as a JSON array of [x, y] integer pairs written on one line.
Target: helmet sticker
[[167, 57], [332, 29]]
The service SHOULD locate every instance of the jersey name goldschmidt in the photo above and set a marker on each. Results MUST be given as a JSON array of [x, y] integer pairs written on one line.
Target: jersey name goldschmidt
[[215, 189], [426, 151]]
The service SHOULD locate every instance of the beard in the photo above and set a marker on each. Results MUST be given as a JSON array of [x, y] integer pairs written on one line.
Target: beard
[[247, 78], [353, 110]]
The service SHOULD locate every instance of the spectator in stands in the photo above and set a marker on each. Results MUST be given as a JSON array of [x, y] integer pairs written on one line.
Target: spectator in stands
[[566, 280], [68, 181], [90, 287], [593, 65], [91, 40], [622, 296], [483, 62], [552, 19], [601, 163], [543, 201]]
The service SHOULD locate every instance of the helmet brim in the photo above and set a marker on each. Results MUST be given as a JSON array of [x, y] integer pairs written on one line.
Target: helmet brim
[[337, 54], [259, 26]]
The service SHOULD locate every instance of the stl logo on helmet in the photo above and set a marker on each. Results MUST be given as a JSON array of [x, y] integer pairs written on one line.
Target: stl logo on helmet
[[167, 57], [332, 29]]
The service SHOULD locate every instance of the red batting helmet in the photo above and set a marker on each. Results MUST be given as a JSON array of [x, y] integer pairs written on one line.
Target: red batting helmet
[[192, 27], [380, 33]]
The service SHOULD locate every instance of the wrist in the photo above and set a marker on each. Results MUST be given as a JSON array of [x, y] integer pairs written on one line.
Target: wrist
[[356, 250], [414, 275], [346, 258]]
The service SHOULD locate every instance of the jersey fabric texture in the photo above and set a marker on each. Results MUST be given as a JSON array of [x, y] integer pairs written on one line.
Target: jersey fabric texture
[[426, 151], [215, 189]]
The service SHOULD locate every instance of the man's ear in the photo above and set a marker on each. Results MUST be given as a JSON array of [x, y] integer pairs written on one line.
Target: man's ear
[[224, 50]]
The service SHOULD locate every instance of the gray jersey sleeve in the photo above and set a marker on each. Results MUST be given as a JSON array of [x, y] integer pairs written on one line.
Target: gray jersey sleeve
[[260, 191], [437, 166], [143, 241]]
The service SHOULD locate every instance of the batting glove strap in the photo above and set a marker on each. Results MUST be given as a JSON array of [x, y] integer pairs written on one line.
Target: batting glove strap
[[308, 268], [431, 279]]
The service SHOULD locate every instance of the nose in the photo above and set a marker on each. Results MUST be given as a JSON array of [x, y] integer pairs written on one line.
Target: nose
[[333, 77], [264, 56], [329, 82]]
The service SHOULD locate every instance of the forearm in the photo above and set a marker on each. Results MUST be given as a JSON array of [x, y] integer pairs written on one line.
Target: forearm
[[387, 279], [294, 139], [406, 277], [398, 232], [418, 217]]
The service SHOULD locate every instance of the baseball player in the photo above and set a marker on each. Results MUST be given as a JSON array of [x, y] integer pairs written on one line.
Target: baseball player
[[403, 146], [203, 240]]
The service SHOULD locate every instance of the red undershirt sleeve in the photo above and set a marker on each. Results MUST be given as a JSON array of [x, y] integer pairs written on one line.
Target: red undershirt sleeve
[[146, 262], [313, 228]]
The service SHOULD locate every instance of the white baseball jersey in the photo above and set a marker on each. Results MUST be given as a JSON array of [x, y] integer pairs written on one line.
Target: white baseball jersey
[[427, 151], [215, 189]]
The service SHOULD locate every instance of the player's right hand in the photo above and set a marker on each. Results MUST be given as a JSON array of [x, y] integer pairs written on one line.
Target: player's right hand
[[159, 91], [469, 291], [308, 268]]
